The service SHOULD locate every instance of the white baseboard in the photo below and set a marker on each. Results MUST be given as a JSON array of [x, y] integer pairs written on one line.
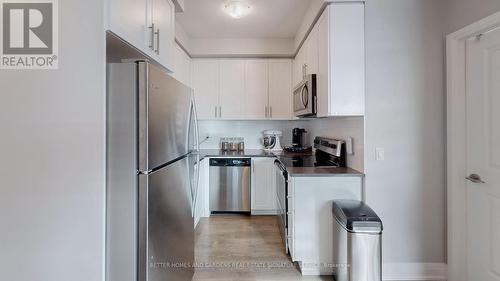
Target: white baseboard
[[414, 271], [397, 271]]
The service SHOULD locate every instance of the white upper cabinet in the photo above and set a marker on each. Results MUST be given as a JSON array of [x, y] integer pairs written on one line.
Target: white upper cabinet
[[148, 25], [341, 51], [206, 88], [335, 52], [256, 90], [164, 34], [298, 66], [243, 89], [128, 19], [232, 88], [311, 53], [280, 89], [306, 61], [182, 66]]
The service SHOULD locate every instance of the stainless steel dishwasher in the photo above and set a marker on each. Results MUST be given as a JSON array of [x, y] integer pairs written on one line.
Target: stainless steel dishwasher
[[230, 185]]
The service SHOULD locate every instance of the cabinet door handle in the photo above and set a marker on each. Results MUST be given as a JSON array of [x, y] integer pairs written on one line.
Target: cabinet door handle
[[270, 112], [157, 41], [152, 38], [215, 111], [220, 111], [265, 113]]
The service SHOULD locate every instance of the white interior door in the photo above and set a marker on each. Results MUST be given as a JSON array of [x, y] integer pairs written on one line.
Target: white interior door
[[483, 157]]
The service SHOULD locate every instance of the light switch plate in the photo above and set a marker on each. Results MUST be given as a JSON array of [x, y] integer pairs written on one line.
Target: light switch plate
[[349, 147], [380, 154]]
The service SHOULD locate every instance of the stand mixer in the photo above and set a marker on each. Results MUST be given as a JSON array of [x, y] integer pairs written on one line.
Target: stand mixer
[[271, 140]]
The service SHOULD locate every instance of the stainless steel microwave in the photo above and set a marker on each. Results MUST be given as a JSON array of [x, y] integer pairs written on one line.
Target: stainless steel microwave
[[304, 97]]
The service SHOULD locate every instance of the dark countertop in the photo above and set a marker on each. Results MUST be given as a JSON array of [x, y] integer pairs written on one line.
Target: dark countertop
[[292, 171], [247, 153]]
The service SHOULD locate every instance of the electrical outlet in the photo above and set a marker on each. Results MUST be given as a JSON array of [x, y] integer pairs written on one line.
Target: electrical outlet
[[380, 154]]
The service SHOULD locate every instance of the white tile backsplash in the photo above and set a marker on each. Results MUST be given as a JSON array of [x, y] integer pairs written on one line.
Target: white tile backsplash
[[342, 128], [251, 131]]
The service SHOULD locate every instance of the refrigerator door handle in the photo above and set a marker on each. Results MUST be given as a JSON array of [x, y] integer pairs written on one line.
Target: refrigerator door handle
[[193, 125], [196, 128], [195, 195]]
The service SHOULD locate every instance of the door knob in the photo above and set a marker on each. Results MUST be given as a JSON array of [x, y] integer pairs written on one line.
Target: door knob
[[475, 178]]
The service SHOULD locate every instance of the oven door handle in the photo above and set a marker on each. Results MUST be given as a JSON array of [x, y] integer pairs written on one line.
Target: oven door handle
[[279, 165]]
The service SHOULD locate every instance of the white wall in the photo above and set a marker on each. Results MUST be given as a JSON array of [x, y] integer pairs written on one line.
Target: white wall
[[250, 130], [461, 13], [182, 37], [342, 128], [238, 47], [52, 147], [405, 114], [309, 17]]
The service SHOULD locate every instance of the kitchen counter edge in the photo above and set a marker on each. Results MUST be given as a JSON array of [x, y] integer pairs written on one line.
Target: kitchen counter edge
[[292, 171]]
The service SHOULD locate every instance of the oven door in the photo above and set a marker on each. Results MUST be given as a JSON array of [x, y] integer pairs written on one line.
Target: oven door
[[303, 97], [281, 193]]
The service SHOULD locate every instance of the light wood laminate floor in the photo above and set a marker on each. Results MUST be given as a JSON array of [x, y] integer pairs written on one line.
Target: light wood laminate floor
[[234, 247]]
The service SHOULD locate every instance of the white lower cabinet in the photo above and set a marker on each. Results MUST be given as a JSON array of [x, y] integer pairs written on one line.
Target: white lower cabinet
[[263, 195], [310, 220], [202, 204]]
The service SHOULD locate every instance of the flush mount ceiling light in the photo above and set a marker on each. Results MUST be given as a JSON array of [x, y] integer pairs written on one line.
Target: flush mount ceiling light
[[237, 8]]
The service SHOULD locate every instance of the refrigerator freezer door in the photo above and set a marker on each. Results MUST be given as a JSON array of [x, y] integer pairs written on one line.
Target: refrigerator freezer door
[[166, 233], [164, 111]]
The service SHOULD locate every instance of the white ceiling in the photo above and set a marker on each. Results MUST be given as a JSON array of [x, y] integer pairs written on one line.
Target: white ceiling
[[269, 19]]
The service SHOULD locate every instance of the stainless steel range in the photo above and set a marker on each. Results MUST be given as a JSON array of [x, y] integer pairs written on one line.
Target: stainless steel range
[[329, 153]]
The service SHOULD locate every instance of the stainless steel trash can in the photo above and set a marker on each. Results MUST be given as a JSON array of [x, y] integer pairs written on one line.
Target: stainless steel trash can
[[357, 242]]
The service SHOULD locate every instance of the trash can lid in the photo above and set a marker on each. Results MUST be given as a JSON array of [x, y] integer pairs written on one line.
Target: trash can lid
[[356, 216]]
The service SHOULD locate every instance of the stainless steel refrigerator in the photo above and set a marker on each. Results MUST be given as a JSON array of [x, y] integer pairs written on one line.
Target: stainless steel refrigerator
[[152, 179]]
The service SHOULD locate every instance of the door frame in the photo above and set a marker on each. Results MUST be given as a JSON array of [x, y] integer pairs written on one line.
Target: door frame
[[456, 143]]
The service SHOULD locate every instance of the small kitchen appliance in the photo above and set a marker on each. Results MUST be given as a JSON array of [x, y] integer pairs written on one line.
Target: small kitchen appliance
[[271, 140], [298, 137], [304, 97], [298, 142]]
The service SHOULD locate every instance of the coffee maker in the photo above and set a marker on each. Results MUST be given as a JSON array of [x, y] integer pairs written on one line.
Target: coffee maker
[[298, 137], [298, 143]]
